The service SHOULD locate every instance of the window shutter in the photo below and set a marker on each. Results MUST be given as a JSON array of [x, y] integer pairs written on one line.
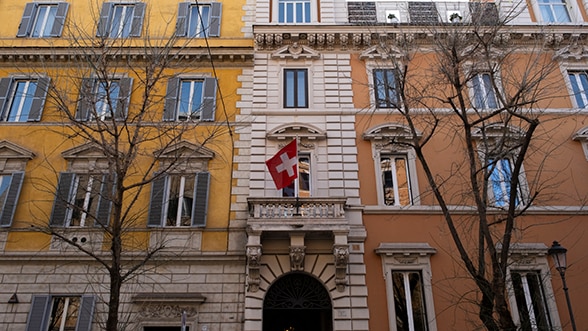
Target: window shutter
[[171, 99], [62, 199], [123, 98], [11, 199], [59, 19], [182, 23], [138, 14], [5, 84], [104, 22], [158, 192], [26, 23], [215, 19], [200, 206], [37, 320], [86, 102], [39, 99], [86, 313], [209, 100], [105, 200]]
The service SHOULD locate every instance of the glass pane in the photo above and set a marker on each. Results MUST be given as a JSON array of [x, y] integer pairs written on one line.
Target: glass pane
[[22, 101], [289, 88], [561, 13], [180, 200], [576, 90], [478, 92], [402, 177], [547, 14], [409, 301], [400, 304], [194, 21], [490, 96], [301, 88], [115, 21], [4, 185], [86, 200], [542, 319], [44, 21], [584, 91], [205, 18], [304, 176], [418, 300], [289, 12], [299, 13], [387, 180], [64, 311], [190, 102], [281, 13], [107, 95], [307, 12]]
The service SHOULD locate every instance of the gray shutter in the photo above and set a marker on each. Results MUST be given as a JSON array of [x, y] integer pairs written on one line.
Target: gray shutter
[[104, 22], [26, 23], [86, 102], [86, 313], [208, 100], [62, 199], [11, 199], [59, 19], [182, 23], [138, 14], [158, 193], [5, 84], [37, 320], [105, 200], [171, 99], [39, 99], [215, 19], [124, 98], [200, 206]]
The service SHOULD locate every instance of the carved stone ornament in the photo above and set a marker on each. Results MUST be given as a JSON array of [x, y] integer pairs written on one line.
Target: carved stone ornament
[[253, 261], [297, 258], [167, 311], [168, 306], [341, 253]]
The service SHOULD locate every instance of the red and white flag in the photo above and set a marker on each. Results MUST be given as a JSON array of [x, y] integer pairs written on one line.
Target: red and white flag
[[284, 165]]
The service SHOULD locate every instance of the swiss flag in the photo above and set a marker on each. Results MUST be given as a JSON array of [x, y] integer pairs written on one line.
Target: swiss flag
[[284, 165]]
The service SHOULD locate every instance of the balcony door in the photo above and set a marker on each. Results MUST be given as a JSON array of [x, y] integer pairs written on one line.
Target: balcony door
[[297, 302]]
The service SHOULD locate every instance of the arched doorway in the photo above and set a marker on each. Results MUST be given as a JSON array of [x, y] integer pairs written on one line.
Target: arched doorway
[[297, 302]]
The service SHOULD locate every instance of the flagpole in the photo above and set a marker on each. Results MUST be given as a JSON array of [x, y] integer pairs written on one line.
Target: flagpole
[[297, 183]]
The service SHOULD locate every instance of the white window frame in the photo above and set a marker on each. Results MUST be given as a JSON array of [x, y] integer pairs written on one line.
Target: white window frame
[[196, 16], [22, 100], [64, 316], [583, 94], [44, 20], [87, 197], [126, 22], [106, 100], [531, 257], [181, 202], [313, 11], [311, 175], [390, 104], [410, 157], [488, 89], [408, 257], [307, 85], [190, 100], [571, 6], [521, 190]]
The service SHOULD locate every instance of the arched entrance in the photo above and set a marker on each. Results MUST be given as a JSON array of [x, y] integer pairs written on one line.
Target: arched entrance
[[297, 302]]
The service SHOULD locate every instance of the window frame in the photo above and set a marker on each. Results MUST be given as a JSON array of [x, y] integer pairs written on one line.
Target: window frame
[[8, 87], [493, 186], [30, 17], [474, 99], [185, 20], [388, 101], [406, 257], [87, 104], [105, 28], [42, 306], [64, 204], [409, 164], [312, 12], [582, 94], [294, 90], [527, 257], [295, 186], [540, 4], [160, 198], [207, 109]]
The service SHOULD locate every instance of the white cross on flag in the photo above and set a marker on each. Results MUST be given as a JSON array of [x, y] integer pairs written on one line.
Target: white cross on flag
[[284, 165]]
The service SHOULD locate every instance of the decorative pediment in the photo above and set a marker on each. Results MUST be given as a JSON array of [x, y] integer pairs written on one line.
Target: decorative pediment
[[391, 133], [497, 130], [293, 130], [9, 150], [581, 135], [379, 53], [184, 150], [85, 151], [573, 52], [296, 51]]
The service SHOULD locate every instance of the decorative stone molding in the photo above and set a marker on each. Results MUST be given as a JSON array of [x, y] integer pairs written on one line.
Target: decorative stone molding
[[582, 137], [168, 305], [184, 156], [253, 263], [390, 135], [295, 51], [297, 258], [499, 134], [13, 157], [341, 253], [573, 52]]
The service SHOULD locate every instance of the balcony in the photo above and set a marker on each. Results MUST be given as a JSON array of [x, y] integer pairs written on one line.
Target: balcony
[[302, 214]]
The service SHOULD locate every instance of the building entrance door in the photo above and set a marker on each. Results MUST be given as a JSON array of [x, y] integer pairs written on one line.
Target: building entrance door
[[297, 302]]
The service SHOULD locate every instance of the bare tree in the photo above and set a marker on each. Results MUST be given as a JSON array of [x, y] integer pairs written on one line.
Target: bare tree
[[112, 96], [473, 85]]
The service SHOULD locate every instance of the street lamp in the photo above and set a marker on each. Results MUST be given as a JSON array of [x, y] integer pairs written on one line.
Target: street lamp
[[558, 253]]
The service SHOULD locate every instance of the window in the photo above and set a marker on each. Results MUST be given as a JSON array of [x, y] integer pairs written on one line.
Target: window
[[295, 88], [554, 11], [500, 172], [385, 88], [104, 99], [408, 285], [483, 91], [199, 20], [10, 185], [302, 184], [395, 180], [294, 11], [61, 313], [531, 300], [190, 99], [22, 99], [179, 200], [43, 20], [579, 85], [119, 20], [409, 302], [82, 200]]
